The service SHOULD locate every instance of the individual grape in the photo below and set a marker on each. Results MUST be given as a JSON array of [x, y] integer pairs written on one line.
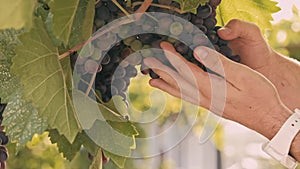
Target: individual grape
[[214, 3], [134, 59], [186, 38], [188, 27], [91, 66], [120, 84], [165, 2], [3, 154], [204, 11], [115, 59], [225, 50], [213, 37], [112, 7], [126, 52], [103, 44], [120, 72], [153, 75], [105, 60], [176, 28], [146, 38], [123, 31], [131, 71], [2, 108], [202, 28], [200, 39], [103, 13], [128, 40], [148, 26], [97, 54], [146, 52], [181, 48], [3, 137], [114, 91], [210, 23], [82, 86], [99, 23], [197, 20], [136, 45], [164, 25]]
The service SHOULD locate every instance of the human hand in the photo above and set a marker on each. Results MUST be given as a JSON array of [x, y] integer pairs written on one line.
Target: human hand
[[247, 41], [242, 94]]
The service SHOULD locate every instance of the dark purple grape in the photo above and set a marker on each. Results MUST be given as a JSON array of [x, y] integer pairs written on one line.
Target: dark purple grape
[[204, 11], [213, 37], [181, 47], [153, 75], [214, 3], [210, 23], [91, 66], [165, 2], [131, 71], [225, 50], [103, 13], [3, 154], [112, 7], [3, 137], [134, 59]]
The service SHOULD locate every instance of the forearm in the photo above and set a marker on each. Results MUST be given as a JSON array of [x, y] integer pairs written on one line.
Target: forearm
[[284, 73], [270, 124]]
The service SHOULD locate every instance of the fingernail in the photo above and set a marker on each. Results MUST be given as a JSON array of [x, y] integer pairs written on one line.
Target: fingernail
[[225, 31], [201, 52]]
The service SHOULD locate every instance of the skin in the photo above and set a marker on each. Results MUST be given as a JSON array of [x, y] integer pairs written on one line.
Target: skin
[[259, 93]]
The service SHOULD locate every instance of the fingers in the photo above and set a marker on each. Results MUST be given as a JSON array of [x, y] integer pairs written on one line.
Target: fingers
[[217, 62], [166, 87], [185, 68], [160, 69], [175, 84], [240, 29]]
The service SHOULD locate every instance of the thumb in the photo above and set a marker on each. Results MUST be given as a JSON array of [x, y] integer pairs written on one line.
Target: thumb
[[239, 29]]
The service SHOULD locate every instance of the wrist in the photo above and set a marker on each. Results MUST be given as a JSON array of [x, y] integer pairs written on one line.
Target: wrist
[[274, 122]]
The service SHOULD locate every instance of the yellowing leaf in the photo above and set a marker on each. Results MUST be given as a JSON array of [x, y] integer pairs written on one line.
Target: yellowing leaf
[[16, 14], [44, 81], [256, 11]]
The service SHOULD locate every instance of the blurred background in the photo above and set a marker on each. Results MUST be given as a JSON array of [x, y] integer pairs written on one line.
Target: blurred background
[[232, 146]]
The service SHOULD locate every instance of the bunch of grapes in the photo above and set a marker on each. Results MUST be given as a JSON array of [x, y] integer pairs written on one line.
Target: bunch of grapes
[[3, 140], [115, 55]]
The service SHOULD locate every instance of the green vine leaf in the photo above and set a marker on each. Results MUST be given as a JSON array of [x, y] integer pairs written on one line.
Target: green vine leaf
[[118, 160], [16, 14], [190, 5], [68, 149], [21, 120], [256, 11], [97, 162], [44, 82], [72, 20]]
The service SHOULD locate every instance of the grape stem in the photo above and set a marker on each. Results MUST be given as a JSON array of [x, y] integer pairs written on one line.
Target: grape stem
[[97, 1], [160, 6], [91, 83], [120, 7]]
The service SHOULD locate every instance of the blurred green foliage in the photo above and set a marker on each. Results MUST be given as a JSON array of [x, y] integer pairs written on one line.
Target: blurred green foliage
[[285, 36]]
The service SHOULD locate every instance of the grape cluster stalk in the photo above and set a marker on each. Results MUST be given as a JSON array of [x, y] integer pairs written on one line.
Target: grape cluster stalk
[[115, 56], [3, 139]]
